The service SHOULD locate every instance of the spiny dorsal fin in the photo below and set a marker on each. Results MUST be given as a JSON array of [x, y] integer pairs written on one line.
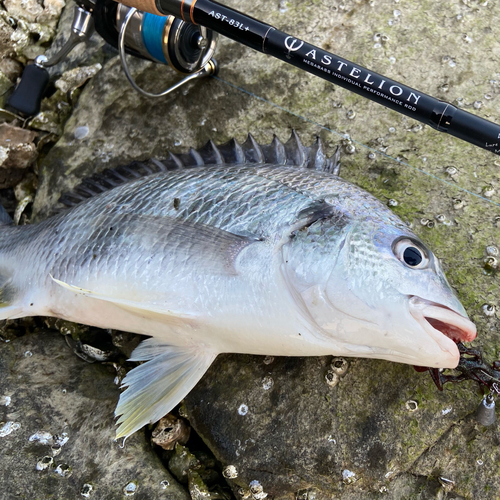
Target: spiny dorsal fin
[[292, 153], [296, 153], [275, 152], [253, 151]]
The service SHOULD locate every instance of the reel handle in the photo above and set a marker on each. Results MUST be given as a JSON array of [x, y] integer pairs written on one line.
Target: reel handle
[[28, 95]]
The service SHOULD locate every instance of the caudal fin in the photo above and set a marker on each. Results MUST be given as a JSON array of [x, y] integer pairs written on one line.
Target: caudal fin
[[5, 219], [8, 308], [155, 387], [9, 305]]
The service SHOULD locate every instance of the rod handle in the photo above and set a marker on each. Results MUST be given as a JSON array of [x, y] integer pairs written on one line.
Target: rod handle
[[28, 95], [144, 5]]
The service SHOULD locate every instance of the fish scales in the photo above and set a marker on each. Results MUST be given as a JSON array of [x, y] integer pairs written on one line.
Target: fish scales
[[251, 258], [209, 196]]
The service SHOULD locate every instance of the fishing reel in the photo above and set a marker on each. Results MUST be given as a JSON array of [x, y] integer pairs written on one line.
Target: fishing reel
[[185, 47]]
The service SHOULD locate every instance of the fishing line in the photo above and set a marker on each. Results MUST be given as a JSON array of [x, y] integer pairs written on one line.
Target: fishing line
[[347, 136], [262, 37]]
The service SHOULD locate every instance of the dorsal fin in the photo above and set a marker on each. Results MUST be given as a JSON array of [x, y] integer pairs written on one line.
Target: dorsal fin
[[296, 153], [292, 153], [275, 152], [253, 151]]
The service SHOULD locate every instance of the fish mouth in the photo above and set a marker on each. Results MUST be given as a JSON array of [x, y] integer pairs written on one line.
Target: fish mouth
[[444, 325]]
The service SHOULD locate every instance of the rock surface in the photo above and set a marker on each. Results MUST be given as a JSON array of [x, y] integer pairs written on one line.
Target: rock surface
[[281, 424], [57, 429], [17, 152], [384, 431]]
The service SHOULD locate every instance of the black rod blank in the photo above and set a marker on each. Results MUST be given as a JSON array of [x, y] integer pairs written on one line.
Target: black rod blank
[[264, 38]]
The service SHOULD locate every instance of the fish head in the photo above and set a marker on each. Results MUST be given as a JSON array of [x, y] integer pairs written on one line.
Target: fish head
[[385, 296]]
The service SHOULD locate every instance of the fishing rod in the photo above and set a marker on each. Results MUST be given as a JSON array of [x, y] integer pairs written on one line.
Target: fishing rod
[[265, 38]]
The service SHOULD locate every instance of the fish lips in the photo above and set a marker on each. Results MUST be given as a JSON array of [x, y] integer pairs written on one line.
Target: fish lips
[[444, 325]]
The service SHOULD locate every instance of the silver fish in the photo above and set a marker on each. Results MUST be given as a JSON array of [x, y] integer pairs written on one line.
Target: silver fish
[[261, 251]]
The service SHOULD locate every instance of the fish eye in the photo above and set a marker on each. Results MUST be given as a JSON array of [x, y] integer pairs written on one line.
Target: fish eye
[[410, 253], [412, 256]]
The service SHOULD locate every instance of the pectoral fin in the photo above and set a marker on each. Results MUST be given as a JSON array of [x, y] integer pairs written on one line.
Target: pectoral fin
[[155, 387]]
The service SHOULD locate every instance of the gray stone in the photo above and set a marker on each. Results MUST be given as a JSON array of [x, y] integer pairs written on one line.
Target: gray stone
[[76, 77], [6, 31], [21, 42], [17, 148], [5, 85], [88, 53], [46, 12], [57, 429], [17, 152], [29, 10], [10, 68], [466, 454], [353, 439]]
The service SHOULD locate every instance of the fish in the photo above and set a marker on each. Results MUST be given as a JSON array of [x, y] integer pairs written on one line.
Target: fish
[[238, 248]]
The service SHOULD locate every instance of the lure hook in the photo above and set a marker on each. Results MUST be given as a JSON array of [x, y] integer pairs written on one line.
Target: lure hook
[[471, 366]]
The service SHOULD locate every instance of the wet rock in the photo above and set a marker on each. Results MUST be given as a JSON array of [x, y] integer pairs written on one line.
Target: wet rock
[[17, 152], [57, 430], [197, 487], [169, 431], [182, 462], [46, 12], [196, 470], [361, 426]]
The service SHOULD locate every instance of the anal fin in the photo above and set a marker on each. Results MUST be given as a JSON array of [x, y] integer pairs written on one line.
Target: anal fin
[[157, 386]]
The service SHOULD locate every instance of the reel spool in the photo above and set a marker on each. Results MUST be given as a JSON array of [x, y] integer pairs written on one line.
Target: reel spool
[[185, 47]]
